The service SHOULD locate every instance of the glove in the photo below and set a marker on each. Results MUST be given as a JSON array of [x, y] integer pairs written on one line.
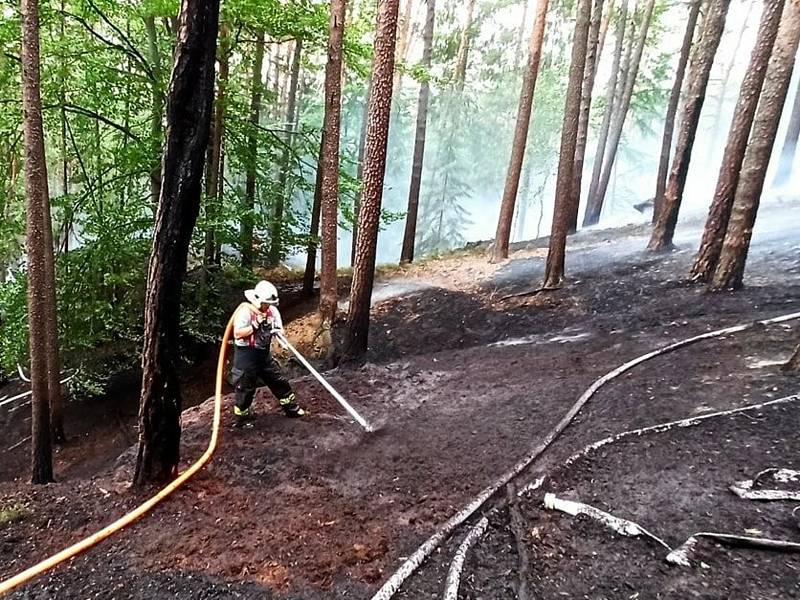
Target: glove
[[259, 320]]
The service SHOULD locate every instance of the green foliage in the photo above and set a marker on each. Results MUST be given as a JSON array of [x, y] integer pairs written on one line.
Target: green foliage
[[105, 77]]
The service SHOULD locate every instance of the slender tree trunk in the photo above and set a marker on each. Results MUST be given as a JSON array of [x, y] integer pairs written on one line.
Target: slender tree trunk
[[313, 237], [156, 115], [218, 133], [37, 198], [462, 56], [743, 114], [583, 120], [786, 160], [520, 45], [362, 142], [723, 86], [524, 201], [713, 27], [501, 239], [621, 111], [613, 94], [601, 41], [730, 269], [189, 108], [330, 165], [403, 42], [380, 105], [252, 151], [409, 239], [672, 107], [276, 245], [554, 271]]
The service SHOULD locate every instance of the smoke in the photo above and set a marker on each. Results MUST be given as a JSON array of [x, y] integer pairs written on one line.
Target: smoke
[[470, 142]]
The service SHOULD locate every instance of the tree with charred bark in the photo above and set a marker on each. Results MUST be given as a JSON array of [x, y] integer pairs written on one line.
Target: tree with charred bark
[[256, 91], [786, 159], [189, 107], [410, 236], [554, 270], [330, 164], [730, 268], [39, 280], [586, 107], [743, 114], [215, 175], [613, 94], [699, 72], [672, 106], [621, 110], [380, 105], [503, 234]]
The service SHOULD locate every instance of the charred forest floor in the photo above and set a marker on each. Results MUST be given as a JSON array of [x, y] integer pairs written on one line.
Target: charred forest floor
[[462, 380]]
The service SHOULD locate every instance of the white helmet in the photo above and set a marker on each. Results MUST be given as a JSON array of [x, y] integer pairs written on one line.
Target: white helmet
[[264, 293]]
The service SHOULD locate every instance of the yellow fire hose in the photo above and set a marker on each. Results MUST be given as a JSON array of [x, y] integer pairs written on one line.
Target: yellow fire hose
[[91, 541]]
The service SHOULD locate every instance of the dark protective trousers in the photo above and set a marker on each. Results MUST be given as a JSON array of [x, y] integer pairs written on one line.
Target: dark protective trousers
[[253, 367]]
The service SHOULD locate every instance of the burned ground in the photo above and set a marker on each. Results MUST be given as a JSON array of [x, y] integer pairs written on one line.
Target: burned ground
[[462, 381]]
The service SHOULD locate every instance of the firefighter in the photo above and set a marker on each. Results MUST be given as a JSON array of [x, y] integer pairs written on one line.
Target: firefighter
[[254, 325]]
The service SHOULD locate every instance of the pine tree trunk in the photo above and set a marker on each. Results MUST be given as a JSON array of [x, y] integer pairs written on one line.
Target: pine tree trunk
[[554, 271], [613, 94], [743, 114], [462, 56], [37, 198], [586, 107], [215, 175], [621, 110], [156, 114], [330, 164], [362, 142], [189, 108], [501, 239], [410, 236], [699, 72], [276, 242], [380, 105], [786, 160], [313, 237], [248, 207], [730, 269], [672, 107]]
